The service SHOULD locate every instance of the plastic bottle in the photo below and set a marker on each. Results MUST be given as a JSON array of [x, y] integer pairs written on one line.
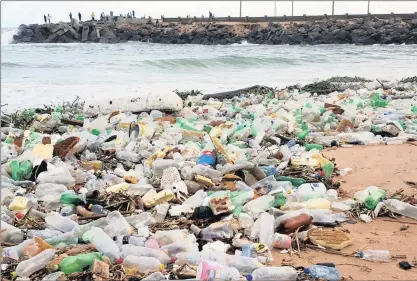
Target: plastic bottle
[[131, 240], [142, 264], [318, 203], [126, 155], [210, 270], [374, 198], [97, 209], [67, 210], [177, 247], [218, 230], [43, 233], [401, 208], [361, 195], [309, 191], [156, 276], [29, 266], [286, 273], [127, 250], [10, 234], [259, 205], [117, 225], [70, 198], [103, 243], [296, 182], [375, 255], [64, 239], [78, 263], [323, 272], [58, 222], [281, 241], [266, 231], [310, 146]]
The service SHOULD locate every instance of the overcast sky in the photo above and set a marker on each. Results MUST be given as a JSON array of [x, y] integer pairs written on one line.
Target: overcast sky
[[14, 13]]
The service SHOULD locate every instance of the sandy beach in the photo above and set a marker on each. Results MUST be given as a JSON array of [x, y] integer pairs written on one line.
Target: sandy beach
[[387, 167]]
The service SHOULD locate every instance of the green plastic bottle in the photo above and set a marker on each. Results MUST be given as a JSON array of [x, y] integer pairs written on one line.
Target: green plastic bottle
[[70, 198], [302, 135], [296, 182], [377, 101], [78, 263], [328, 169], [374, 198], [95, 132], [207, 128], [280, 199], [20, 171], [414, 109], [311, 146]]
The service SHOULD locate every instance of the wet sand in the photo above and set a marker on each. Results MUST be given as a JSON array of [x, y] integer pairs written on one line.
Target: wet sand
[[387, 167]]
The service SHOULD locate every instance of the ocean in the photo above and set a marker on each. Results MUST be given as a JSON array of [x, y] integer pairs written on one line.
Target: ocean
[[37, 74]]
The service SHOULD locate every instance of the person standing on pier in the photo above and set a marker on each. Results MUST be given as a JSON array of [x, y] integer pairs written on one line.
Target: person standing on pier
[[70, 15], [44, 18], [133, 13], [79, 16], [49, 18], [92, 16]]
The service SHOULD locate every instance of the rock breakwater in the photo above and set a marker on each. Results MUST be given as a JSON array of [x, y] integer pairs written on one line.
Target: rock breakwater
[[330, 31]]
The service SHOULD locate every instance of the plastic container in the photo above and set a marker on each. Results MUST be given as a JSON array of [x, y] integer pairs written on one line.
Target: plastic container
[[58, 222], [286, 273], [401, 208], [64, 239], [10, 234], [103, 243], [30, 266], [323, 272], [78, 263], [375, 255], [117, 225], [374, 198], [210, 270], [142, 264], [218, 230], [318, 203]]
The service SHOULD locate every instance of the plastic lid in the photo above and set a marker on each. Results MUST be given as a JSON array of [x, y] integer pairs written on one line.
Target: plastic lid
[[361, 254], [307, 270], [172, 260], [119, 261], [161, 267], [249, 277]]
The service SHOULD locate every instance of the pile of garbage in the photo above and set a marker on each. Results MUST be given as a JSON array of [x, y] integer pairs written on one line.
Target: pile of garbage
[[206, 191]]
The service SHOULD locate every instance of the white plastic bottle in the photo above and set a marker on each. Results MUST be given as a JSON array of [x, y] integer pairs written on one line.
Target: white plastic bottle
[[375, 255], [127, 250], [245, 265], [318, 203], [309, 191], [28, 267], [103, 243], [58, 222], [286, 273], [142, 264], [401, 208]]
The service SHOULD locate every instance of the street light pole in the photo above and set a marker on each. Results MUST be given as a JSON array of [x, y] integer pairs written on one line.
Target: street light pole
[[240, 9]]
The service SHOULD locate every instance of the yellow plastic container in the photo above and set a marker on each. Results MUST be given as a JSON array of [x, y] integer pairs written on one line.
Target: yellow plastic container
[[19, 203], [118, 187], [92, 165], [165, 195]]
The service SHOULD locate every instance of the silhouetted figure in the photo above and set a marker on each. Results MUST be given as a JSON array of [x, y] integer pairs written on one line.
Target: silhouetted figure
[[49, 18], [92, 16], [70, 15], [79, 16], [210, 15], [44, 18], [133, 13], [102, 16]]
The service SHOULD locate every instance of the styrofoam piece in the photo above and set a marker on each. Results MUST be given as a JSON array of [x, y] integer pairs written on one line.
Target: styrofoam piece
[[141, 102]]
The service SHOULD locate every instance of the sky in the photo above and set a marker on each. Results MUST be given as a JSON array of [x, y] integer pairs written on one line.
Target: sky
[[14, 13]]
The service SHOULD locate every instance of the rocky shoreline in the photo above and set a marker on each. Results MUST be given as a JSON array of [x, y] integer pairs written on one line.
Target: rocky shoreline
[[354, 31]]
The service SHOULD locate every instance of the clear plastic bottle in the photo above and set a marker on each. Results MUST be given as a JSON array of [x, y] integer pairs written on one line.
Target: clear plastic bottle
[[266, 231], [156, 276], [323, 272], [43, 233], [67, 210], [187, 245], [126, 155], [117, 225], [10, 234], [309, 191], [103, 243], [29, 266], [97, 209], [286, 273], [58, 222], [65, 239], [218, 230], [401, 208], [375, 255], [127, 250], [142, 264], [318, 203]]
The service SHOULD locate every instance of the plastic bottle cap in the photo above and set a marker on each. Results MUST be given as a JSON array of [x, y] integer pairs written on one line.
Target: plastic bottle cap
[[14, 274], [361, 254], [307, 270], [161, 267], [249, 277], [19, 216], [172, 260], [119, 261]]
